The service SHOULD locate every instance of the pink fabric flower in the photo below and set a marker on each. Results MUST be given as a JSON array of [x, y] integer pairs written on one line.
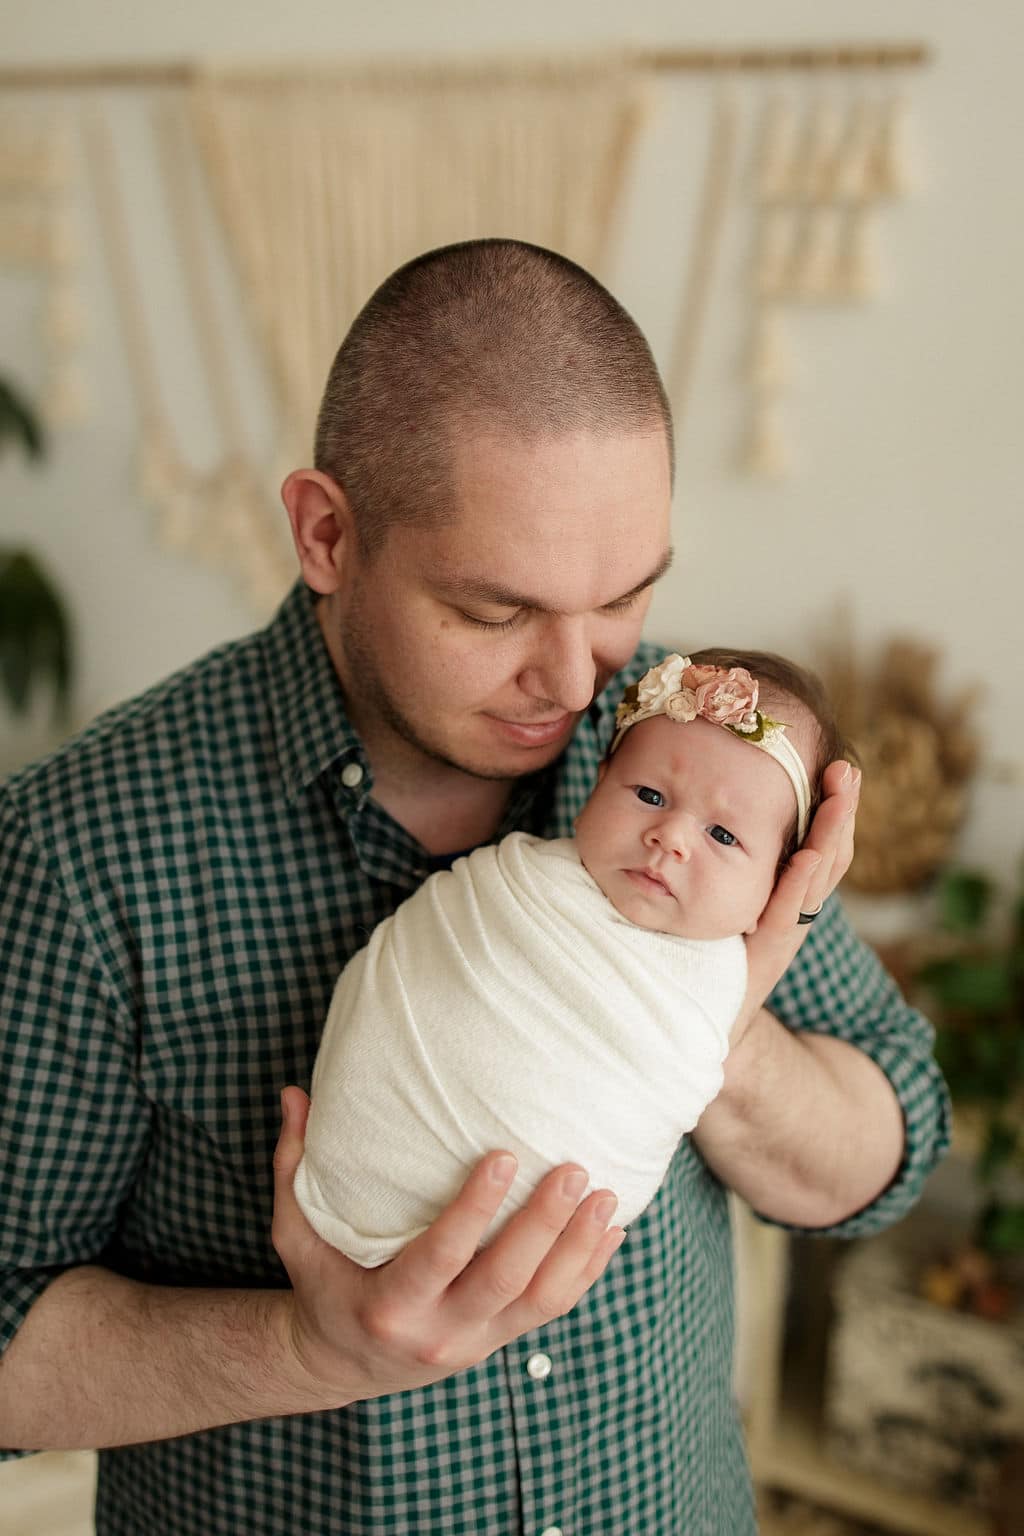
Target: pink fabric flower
[[696, 675], [727, 700]]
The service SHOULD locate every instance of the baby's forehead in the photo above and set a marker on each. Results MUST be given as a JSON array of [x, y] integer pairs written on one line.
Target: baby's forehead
[[736, 775]]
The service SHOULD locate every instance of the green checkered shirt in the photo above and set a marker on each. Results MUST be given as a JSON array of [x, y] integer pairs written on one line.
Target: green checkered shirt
[[180, 887]]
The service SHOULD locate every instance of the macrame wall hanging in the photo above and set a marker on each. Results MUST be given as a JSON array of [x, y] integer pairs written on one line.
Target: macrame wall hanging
[[327, 179], [823, 171], [38, 238]]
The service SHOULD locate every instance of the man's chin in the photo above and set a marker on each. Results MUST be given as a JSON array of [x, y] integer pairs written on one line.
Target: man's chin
[[514, 763]]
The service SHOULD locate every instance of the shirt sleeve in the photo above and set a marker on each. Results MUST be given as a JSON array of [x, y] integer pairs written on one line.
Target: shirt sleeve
[[837, 986], [73, 1119]]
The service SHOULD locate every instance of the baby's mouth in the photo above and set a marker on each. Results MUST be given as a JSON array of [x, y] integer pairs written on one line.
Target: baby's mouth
[[649, 880]]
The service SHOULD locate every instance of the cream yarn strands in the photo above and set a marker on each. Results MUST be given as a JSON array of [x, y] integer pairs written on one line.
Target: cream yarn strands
[[350, 172], [718, 174]]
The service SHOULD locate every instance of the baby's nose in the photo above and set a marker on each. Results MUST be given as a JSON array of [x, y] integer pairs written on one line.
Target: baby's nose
[[672, 836]]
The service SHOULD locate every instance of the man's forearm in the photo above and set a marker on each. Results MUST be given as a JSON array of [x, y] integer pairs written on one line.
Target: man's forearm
[[807, 1129], [102, 1361]]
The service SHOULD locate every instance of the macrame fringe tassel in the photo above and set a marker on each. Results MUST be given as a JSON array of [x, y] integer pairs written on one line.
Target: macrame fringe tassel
[[767, 454], [769, 364]]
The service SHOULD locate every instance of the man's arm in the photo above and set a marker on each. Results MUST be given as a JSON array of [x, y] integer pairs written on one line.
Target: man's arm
[[807, 1129], [100, 1360], [832, 1098]]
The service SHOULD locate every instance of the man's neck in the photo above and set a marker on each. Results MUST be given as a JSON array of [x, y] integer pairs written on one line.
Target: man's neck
[[446, 812]]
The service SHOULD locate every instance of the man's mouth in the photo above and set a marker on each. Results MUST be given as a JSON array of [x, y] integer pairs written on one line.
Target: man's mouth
[[535, 733], [649, 880]]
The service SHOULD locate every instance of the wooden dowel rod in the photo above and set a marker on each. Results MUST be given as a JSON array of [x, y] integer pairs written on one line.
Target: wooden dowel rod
[[74, 77], [819, 56]]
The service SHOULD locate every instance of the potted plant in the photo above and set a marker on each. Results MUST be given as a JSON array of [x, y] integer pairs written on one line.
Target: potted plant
[[973, 984]]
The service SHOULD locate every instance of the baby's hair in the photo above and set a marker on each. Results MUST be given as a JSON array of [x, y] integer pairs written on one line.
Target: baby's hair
[[780, 680]]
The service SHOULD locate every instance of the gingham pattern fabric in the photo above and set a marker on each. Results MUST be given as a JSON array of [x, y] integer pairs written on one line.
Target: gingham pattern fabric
[[179, 889]]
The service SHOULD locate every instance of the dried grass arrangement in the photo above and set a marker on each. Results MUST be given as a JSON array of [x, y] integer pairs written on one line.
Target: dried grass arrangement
[[918, 752]]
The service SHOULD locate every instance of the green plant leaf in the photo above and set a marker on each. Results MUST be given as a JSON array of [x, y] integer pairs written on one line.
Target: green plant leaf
[[1000, 1146], [35, 634], [19, 421], [1001, 1228], [977, 984], [964, 897]]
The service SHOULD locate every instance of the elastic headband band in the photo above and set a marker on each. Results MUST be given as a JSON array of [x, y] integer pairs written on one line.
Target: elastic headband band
[[685, 691]]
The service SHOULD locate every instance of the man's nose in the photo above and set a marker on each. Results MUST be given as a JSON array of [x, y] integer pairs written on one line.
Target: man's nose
[[672, 835], [562, 669]]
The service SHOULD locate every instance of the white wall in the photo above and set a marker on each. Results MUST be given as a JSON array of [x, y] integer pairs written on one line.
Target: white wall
[[906, 411]]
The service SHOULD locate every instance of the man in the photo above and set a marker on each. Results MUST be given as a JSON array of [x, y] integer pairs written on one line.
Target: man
[[478, 543]]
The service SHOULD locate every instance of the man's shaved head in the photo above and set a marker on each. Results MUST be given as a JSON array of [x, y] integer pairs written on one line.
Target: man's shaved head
[[484, 335]]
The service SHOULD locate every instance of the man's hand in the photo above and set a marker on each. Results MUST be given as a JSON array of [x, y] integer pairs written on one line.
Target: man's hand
[[809, 878], [438, 1306]]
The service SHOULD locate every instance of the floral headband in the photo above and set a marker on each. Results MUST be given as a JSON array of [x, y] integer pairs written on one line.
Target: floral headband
[[683, 691]]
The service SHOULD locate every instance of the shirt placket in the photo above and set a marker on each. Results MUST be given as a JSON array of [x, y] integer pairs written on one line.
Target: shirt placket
[[542, 1390]]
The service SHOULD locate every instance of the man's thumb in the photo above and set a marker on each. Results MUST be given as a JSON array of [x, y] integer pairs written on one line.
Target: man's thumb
[[294, 1113]]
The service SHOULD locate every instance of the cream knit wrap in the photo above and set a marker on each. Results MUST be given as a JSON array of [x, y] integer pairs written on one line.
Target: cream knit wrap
[[507, 1004]]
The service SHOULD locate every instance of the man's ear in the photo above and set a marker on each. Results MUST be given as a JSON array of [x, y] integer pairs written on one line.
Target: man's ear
[[322, 526]]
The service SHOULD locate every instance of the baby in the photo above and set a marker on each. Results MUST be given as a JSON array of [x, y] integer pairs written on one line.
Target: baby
[[570, 1000]]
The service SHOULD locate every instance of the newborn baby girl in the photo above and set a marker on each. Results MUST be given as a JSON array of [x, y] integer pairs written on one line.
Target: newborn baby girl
[[570, 1000]]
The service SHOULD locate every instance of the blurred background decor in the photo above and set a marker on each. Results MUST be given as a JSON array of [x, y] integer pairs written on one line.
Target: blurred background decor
[[326, 177], [969, 975], [925, 1373], [38, 239], [918, 749], [826, 165]]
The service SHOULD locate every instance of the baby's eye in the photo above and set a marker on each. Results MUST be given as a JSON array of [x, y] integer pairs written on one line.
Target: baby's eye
[[649, 796], [721, 835]]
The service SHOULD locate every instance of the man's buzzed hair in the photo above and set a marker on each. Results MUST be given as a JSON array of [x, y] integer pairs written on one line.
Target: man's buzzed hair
[[484, 335]]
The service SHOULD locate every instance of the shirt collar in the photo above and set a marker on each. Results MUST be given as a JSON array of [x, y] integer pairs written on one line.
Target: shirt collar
[[311, 725]]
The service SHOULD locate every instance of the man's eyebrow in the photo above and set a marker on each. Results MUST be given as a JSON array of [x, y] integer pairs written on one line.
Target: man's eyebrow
[[469, 590]]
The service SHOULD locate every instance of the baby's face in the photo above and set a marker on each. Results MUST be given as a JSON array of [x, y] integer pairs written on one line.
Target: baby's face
[[684, 830]]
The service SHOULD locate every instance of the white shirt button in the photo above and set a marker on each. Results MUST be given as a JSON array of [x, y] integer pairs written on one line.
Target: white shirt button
[[552, 1530], [351, 775], [539, 1366]]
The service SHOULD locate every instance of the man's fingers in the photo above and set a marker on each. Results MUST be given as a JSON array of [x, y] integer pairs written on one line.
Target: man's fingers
[[428, 1265], [290, 1142], [287, 1156], [831, 831], [795, 892], [571, 1266], [533, 1268]]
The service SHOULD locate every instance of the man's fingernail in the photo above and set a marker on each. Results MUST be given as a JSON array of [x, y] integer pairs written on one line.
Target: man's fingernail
[[574, 1184], [503, 1169], [284, 1107], [856, 778], [846, 775]]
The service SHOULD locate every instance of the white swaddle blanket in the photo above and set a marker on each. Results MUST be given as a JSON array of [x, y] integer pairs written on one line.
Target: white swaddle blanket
[[508, 1004]]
